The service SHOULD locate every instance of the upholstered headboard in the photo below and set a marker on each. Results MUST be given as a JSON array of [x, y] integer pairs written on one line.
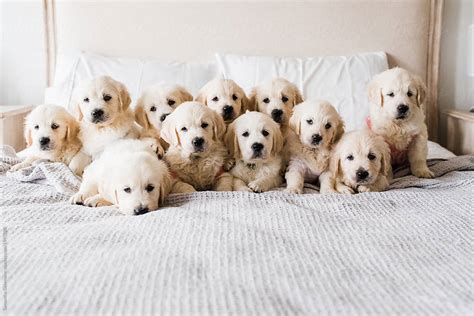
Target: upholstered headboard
[[407, 30]]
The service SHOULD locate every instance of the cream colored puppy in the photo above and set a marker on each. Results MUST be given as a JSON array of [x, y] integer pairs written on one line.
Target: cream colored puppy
[[359, 163], [317, 127], [225, 97], [52, 134], [276, 98], [102, 107], [128, 175], [396, 113], [255, 142], [196, 154]]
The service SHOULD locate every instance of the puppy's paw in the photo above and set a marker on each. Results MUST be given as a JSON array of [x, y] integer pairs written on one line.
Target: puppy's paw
[[229, 164], [294, 190], [19, 166], [342, 188], [364, 189], [423, 173], [77, 198], [96, 201], [256, 187]]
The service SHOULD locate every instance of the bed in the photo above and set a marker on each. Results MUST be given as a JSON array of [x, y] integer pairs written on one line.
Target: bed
[[404, 251]]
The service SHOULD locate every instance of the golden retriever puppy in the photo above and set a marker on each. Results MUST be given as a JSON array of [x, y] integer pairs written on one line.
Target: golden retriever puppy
[[255, 142], [52, 134], [359, 163], [225, 97], [317, 127], [102, 107], [396, 113], [128, 175], [196, 154], [276, 98]]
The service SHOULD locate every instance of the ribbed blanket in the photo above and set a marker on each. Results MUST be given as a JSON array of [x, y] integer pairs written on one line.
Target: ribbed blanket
[[408, 250]]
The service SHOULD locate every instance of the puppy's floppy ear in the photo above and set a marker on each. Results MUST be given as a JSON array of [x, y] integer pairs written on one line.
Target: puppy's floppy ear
[[76, 111], [202, 95], [374, 92], [72, 129], [218, 125], [165, 188], [277, 140], [245, 104], [231, 141], [298, 98], [420, 90], [27, 134], [295, 121], [385, 163], [184, 95], [335, 163], [124, 96], [252, 104], [339, 130], [140, 115], [169, 132]]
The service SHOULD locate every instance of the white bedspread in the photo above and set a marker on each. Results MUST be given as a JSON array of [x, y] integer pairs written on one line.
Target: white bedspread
[[405, 251]]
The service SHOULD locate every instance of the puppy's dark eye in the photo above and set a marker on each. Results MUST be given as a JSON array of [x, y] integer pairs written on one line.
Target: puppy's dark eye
[[204, 125], [127, 190], [245, 134], [234, 97], [371, 156], [215, 99], [265, 133], [284, 98], [409, 93], [171, 102], [391, 94], [37, 127], [266, 100], [86, 99], [107, 98], [149, 188], [350, 157], [327, 126], [153, 108], [184, 129], [54, 126], [163, 117], [310, 122]]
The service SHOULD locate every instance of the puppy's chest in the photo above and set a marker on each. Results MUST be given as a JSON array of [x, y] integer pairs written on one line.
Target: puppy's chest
[[199, 172], [315, 161], [398, 137], [249, 172]]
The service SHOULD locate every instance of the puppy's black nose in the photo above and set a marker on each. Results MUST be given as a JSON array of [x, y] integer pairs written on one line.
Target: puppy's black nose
[[361, 174], [140, 210], [257, 147], [277, 115], [44, 141], [316, 139], [97, 113], [402, 108], [227, 112], [198, 142]]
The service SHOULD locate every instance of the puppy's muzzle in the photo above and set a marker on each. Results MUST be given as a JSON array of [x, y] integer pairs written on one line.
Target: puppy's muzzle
[[227, 112], [362, 175], [277, 115], [44, 143], [97, 116], [402, 111], [198, 143], [316, 139], [140, 210], [257, 149]]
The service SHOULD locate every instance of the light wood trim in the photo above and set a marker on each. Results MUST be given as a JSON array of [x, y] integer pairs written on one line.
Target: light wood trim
[[12, 110], [463, 115], [432, 68], [50, 39]]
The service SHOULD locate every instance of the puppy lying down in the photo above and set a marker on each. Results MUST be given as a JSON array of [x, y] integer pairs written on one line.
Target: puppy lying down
[[128, 175], [359, 163], [52, 134], [255, 141]]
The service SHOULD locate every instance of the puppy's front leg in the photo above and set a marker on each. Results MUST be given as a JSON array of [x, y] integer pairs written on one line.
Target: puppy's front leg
[[342, 188], [265, 183], [79, 162], [239, 185], [224, 182], [26, 163], [379, 185], [88, 188], [326, 183], [294, 181], [182, 187], [417, 153], [96, 201]]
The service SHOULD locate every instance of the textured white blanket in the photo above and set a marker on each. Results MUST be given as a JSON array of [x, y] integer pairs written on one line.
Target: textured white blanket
[[405, 251]]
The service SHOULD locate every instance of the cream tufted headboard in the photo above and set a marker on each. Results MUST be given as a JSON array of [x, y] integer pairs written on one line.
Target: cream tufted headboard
[[407, 30]]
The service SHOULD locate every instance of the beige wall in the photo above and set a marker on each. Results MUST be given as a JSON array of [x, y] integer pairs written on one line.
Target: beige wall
[[22, 52]]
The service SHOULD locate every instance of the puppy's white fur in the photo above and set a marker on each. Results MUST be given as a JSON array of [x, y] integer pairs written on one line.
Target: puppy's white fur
[[358, 151], [196, 168], [317, 127], [406, 135], [255, 171], [56, 124], [128, 175], [276, 95], [220, 93], [117, 122]]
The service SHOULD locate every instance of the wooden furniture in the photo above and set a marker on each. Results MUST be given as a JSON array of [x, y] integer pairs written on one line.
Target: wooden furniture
[[460, 132], [12, 119]]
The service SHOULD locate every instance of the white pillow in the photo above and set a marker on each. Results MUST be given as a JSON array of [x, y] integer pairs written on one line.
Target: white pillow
[[342, 80], [135, 73]]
